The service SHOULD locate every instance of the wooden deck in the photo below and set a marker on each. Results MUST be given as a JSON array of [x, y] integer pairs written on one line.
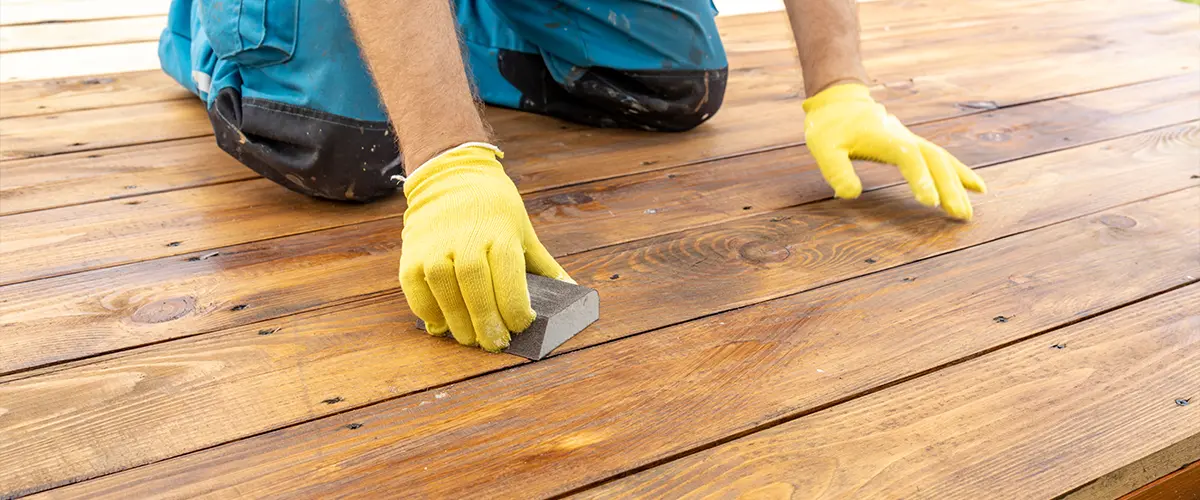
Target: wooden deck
[[172, 325]]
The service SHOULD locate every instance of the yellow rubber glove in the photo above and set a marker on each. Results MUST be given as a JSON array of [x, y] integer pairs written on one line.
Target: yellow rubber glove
[[467, 245], [843, 122]]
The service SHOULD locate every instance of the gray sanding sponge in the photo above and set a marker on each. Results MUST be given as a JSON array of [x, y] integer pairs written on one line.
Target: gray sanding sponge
[[563, 310]]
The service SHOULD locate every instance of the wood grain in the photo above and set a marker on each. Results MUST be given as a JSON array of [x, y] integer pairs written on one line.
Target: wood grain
[[363, 355], [90, 176], [89, 313], [42, 97], [1028, 421], [81, 34], [32, 136], [70, 239], [551, 426]]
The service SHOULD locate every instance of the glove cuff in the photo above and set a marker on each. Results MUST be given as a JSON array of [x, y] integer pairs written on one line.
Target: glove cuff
[[838, 93], [469, 154]]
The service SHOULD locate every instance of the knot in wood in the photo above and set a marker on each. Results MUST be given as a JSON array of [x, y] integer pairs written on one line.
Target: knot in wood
[[1117, 221], [569, 199], [164, 310], [763, 252]]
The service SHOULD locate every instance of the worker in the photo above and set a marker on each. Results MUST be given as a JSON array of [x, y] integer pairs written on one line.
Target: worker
[[322, 96]]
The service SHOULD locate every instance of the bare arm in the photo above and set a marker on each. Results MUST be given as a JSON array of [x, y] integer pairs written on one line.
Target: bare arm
[[412, 50], [826, 34]]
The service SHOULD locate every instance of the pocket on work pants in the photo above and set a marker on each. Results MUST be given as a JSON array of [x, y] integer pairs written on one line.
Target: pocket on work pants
[[252, 33]]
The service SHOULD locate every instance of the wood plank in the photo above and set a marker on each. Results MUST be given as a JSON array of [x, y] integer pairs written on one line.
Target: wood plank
[[287, 369], [66, 240], [1028, 421], [81, 34], [92, 129], [80, 315], [90, 176], [1183, 484], [42, 97], [41, 11], [78, 61], [551, 426], [1010, 56]]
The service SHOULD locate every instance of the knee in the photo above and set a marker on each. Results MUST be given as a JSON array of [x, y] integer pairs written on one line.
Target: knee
[[307, 151], [660, 100]]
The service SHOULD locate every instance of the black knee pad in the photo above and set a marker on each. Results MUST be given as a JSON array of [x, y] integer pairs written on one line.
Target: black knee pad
[[668, 100], [308, 151]]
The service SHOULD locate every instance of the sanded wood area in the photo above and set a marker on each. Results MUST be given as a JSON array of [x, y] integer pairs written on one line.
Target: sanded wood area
[[176, 326]]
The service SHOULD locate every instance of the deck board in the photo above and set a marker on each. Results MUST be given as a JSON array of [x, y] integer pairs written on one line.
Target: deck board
[[176, 325], [62, 95]]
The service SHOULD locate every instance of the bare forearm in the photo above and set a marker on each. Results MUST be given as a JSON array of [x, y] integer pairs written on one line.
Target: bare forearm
[[412, 50], [827, 37]]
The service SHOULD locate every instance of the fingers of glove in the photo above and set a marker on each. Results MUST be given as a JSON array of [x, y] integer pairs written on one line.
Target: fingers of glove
[[443, 282], [949, 186], [838, 171], [421, 301], [897, 146], [969, 178], [539, 261], [475, 282], [512, 291]]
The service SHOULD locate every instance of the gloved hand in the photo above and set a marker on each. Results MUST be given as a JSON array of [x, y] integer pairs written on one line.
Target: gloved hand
[[843, 122], [467, 245]]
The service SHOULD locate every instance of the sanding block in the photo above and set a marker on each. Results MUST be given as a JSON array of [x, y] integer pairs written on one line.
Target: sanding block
[[563, 310]]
